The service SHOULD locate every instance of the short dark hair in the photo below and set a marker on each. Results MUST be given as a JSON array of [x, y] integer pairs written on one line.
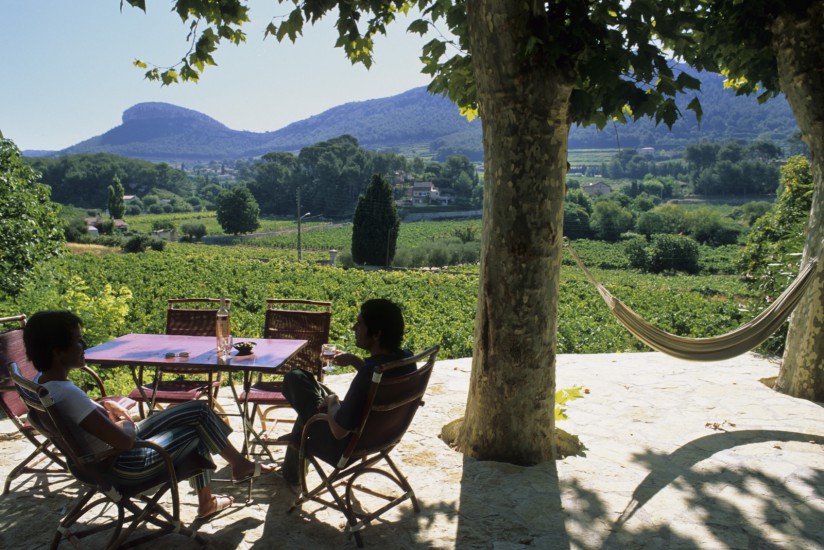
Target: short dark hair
[[384, 316], [46, 331]]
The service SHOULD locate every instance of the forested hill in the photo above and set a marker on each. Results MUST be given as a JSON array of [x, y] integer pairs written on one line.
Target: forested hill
[[417, 122]]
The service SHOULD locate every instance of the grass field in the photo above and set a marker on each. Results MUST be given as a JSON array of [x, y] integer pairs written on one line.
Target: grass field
[[578, 157], [143, 223]]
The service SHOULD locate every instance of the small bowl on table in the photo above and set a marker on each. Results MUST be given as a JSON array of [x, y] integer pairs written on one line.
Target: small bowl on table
[[245, 348]]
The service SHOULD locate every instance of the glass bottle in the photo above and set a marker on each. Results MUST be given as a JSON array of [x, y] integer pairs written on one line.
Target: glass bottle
[[224, 331]]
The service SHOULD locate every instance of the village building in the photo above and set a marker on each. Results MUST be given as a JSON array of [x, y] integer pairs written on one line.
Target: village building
[[97, 224], [597, 189], [166, 235]]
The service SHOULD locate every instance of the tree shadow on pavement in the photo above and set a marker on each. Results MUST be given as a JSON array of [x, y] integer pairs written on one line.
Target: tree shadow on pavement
[[735, 504], [314, 526]]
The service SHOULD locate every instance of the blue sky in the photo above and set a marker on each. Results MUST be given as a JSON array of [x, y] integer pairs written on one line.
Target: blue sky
[[66, 70]]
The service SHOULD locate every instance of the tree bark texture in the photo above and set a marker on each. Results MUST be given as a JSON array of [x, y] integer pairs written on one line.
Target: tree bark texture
[[524, 107], [798, 42]]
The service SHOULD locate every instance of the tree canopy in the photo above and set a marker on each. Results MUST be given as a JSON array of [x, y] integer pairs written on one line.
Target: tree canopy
[[30, 230], [83, 180], [237, 210]]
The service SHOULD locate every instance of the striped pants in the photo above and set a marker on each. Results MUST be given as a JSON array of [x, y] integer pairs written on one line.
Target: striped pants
[[178, 430]]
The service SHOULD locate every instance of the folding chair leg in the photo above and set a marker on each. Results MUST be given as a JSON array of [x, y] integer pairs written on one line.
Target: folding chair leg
[[24, 466], [64, 528]]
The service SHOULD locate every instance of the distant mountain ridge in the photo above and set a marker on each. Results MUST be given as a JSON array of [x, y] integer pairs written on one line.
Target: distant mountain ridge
[[416, 122]]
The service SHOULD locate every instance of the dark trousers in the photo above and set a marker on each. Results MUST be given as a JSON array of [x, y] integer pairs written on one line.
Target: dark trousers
[[305, 394]]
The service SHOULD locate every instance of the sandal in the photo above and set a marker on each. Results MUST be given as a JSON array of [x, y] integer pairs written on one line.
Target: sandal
[[226, 501], [257, 473]]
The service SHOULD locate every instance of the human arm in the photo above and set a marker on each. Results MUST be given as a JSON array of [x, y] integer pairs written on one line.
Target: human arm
[[120, 433], [331, 404], [343, 359]]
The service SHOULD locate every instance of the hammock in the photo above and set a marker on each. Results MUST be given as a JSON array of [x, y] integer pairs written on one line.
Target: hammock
[[716, 348]]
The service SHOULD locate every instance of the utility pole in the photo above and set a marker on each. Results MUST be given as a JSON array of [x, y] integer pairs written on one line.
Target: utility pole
[[300, 251]]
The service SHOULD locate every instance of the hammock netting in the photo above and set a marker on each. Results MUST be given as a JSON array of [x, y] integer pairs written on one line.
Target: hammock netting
[[716, 348]]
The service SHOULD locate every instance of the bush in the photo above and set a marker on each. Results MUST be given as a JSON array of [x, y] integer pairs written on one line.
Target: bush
[[576, 221], [133, 210], [636, 251], [108, 240], [708, 227], [139, 243], [663, 253], [193, 231], [151, 200], [106, 227], [345, 260], [163, 225], [157, 244], [75, 229], [609, 219], [440, 257], [672, 253]]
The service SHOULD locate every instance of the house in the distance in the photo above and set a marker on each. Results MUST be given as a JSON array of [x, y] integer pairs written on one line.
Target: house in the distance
[[422, 192], [97, 224], [166, 234], [597, 189]]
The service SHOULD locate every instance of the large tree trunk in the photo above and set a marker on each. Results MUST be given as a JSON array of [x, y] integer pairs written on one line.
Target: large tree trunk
[[524, 106], [799, 46]]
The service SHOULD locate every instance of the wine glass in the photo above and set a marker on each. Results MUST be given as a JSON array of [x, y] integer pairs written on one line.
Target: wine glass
[[225, 346], [327, 352]]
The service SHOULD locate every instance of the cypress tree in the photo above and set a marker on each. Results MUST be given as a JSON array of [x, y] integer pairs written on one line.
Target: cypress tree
[[375, 225], [116, 205]]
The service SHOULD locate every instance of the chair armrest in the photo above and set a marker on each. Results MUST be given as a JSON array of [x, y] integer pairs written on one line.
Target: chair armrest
[[97, 380]]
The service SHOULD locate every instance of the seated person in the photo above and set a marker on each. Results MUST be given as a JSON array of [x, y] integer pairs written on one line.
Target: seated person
[[54, 345], [378, 330]]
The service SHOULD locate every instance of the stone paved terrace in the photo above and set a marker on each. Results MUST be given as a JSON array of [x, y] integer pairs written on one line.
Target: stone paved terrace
[[678, 455]]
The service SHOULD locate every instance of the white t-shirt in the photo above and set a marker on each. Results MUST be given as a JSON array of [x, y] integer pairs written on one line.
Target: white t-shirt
[[75, 405]]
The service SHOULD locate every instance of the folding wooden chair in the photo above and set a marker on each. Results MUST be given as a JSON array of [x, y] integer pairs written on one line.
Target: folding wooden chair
[[12, 349], [191, 317], [391, 405], [100, 488], [289, 319]]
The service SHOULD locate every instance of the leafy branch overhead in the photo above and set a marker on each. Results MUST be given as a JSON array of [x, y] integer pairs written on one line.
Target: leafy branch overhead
[[609, 49]]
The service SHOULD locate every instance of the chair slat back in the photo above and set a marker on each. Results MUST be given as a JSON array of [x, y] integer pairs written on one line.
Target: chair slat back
[[192, 320], [44, 415], [13, 350], [302, 320], [391, 404]]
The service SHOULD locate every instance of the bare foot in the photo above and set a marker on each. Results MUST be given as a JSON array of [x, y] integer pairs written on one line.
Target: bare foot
[[217, 504]]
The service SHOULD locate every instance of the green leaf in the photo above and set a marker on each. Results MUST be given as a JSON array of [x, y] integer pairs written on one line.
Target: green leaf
[[419, 26], [168, 77], [695, 107]]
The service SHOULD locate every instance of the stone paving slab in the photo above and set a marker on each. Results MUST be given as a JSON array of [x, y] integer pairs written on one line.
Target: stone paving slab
[[677, 455]]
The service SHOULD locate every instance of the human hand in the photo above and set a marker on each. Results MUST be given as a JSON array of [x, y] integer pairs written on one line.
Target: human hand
[[116, 412], [331, 400]]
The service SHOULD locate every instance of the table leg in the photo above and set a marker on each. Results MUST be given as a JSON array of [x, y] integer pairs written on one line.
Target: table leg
[[138, 382]]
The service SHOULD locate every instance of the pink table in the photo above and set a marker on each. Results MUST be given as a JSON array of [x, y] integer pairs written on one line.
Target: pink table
[[149, 350]]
